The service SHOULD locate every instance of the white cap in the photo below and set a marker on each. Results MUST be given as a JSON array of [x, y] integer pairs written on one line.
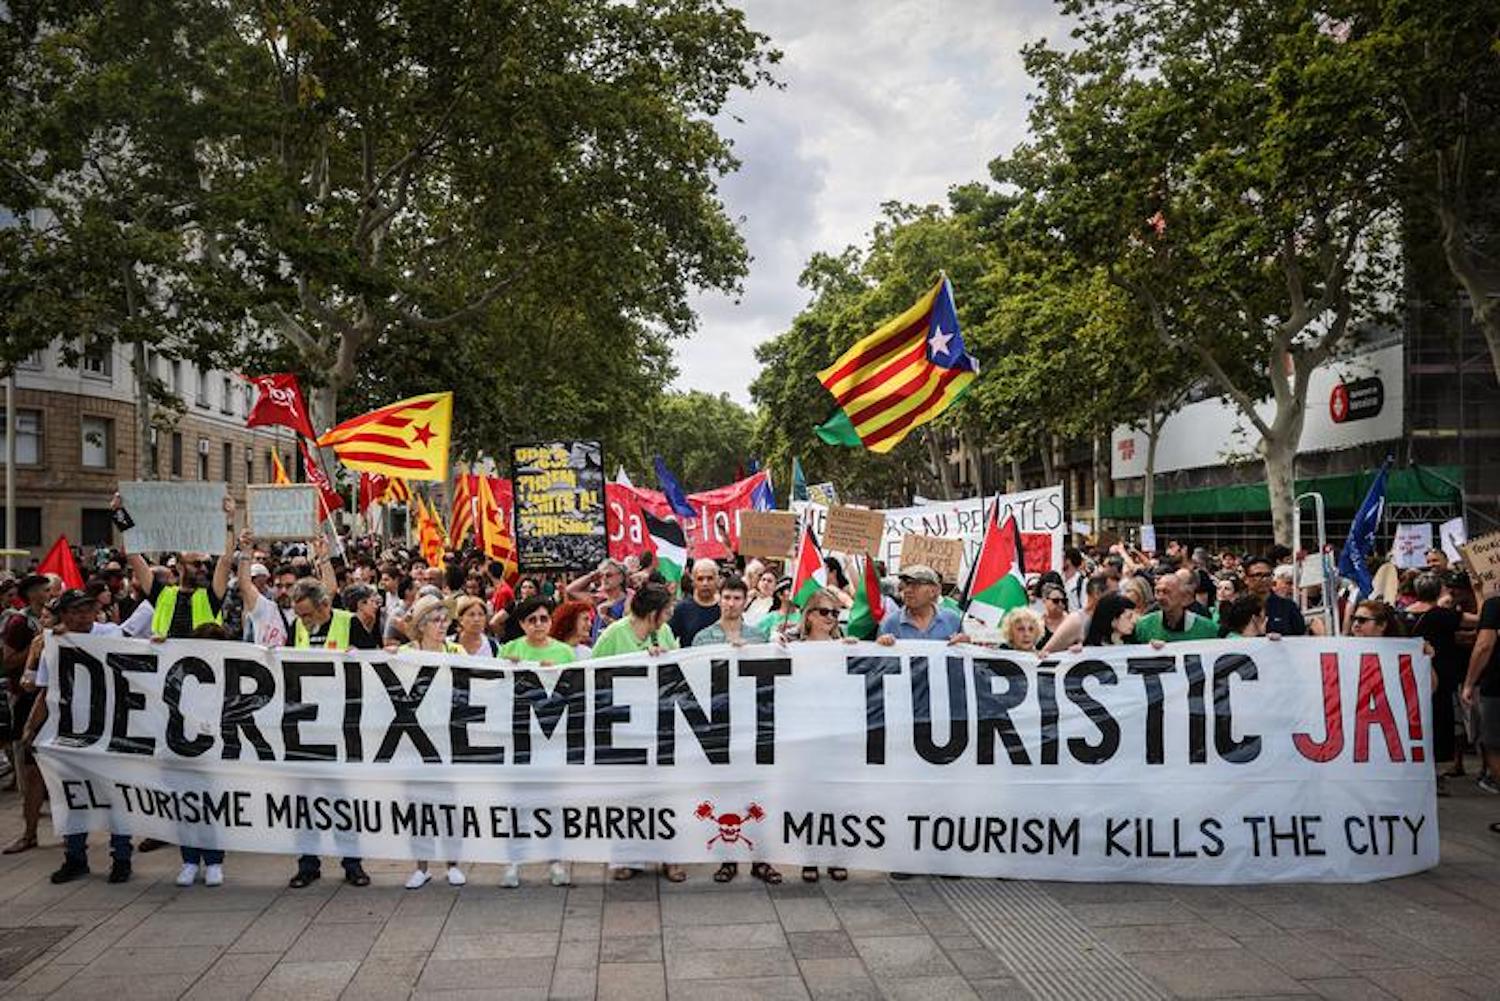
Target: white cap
[[259, 570]]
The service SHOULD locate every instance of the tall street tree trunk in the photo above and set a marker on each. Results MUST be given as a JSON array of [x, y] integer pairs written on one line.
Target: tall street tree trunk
[[942, 471], [144, 465], [1148, 493], [1015, 475], [1049, 465], [1278, 449]]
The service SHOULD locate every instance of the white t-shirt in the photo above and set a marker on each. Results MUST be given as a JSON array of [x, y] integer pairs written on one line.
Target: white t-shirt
[[267, 625]]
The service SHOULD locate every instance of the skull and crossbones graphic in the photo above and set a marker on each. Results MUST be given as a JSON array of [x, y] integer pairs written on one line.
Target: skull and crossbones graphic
[[730, 824]]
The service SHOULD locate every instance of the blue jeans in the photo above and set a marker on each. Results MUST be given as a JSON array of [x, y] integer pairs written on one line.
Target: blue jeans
[[312, 863], [202, 856], [76, 847]]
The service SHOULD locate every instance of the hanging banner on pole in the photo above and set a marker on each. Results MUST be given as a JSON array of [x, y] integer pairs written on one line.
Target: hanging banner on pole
[[1303, 760]]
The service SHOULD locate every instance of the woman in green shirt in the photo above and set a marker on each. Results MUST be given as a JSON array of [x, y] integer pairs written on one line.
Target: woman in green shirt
[[644, 630], [535, 644]]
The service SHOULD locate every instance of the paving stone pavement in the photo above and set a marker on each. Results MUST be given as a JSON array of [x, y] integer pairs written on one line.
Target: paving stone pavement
[[1431, 936]]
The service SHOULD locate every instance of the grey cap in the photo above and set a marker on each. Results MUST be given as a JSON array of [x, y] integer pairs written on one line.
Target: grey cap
[[921, 572]]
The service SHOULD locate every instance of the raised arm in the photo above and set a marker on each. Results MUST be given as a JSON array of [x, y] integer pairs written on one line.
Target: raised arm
[[220, 583], [248, 593]]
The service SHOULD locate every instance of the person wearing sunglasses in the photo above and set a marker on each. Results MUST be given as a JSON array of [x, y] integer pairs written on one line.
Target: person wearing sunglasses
[[1054, 611], [429, 629], [536, 645], [1373, 619], [820, 623]]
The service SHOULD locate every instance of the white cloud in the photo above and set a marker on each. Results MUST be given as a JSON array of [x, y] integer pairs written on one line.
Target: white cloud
[[884, 101]]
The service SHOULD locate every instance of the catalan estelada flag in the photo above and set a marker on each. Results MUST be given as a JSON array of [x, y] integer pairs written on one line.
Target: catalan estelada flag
[[407, 439], [464, 497], [278, 471], [900, 377]]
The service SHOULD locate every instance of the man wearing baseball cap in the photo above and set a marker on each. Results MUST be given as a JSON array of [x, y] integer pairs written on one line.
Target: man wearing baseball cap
[[920, 617]]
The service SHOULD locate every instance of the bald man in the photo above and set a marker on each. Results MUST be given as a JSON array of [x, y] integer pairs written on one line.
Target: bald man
[[700, 609]]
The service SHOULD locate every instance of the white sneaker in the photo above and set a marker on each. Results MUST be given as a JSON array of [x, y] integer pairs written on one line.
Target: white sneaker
[[418, 879], [560, 873], [188, 874], [511, 877], [456, 876], [213, 875]]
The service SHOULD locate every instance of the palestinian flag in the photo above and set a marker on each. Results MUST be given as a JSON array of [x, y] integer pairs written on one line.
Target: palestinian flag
[[869, 609], [809, 573], [998, 581], [669, 545]]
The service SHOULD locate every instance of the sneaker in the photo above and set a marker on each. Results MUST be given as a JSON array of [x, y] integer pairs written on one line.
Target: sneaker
[[456, 876], [418, 879], [560, 873], [213, 875], [71, 870], [1488, 784], [188, 874], [511, 877], [119, 870]]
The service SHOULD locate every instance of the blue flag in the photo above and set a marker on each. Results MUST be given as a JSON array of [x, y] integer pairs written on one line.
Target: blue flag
[[1355, 557], [799, 481], [673, 490], [763, 497]]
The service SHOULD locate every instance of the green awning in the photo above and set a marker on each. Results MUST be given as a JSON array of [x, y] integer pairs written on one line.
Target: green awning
[[1416, 485]]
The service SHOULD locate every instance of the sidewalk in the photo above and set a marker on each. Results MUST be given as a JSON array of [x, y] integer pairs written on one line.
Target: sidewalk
[[1431, 936]]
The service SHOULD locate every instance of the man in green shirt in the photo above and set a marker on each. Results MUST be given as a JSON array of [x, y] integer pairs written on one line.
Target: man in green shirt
[[1172, 622], [731, 627]]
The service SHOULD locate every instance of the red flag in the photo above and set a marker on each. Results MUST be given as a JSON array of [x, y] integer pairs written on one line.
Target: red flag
[[279, 403], [59, 560], [371, 490], [329, 499]]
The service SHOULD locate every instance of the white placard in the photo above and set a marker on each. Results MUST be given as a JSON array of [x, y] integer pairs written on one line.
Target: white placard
[[1454, 533], [1148, 538], [283, 512], [1409, 548], [174, 517], [1306, 764]]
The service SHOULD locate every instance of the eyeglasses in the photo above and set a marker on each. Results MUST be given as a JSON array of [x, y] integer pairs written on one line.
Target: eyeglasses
[[1361, 619], [833, 612], [1057, 601], [1253, 575]]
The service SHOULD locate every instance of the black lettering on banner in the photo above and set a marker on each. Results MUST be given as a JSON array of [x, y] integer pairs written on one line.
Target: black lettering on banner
[[565, 699], [921, 708], [1234, 751], [711, 729], [874, 670], [765, 672], [69, 660], [406, 703], [464, 712], [993, 710], [1109, 730], [1150, 670], [241, 706], [607, 716], [295, 711], [128, 700], [1046, 697], [1192, 667], [171, 694], [354, 693]]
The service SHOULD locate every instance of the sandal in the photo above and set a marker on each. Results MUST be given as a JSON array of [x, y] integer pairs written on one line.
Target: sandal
[[764, 872], [24, 843], [621, 875], [728, 871], [809, 874], [304, 878], [673, 873], [1495, 828], [357, 877], [838, 873]]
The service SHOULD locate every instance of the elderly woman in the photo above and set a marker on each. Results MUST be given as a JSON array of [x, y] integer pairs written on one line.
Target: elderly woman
[[428, 625], [1021, 630], [472, 614], [820, 622]]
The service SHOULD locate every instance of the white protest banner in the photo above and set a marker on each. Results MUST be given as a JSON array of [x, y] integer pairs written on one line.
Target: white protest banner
[[282, 512], [1409, 548], [174, 517], [1221, 762], [1453, 533]]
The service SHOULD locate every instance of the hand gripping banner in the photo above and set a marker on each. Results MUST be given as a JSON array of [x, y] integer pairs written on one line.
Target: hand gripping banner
[[1229, 762]]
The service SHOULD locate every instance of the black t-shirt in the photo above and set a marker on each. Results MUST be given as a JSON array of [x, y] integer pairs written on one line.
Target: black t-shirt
[[690, 618], [361, 638], [1283, 617], [182, 611], [1489, 618], [1439, 627]]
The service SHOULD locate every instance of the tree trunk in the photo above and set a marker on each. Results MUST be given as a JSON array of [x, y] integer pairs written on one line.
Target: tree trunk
[[144, 465], [1049, 465], [1148, 491], [1101, 479], [1015, 475], [1482, 288], [1280, 454], [941, 470]]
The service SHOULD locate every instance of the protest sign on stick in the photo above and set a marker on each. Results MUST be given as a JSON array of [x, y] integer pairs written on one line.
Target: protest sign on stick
[[174, 517], [853, 530], [282, 512], [1483, 556], [946, 556], [772, 534], [559, 505]]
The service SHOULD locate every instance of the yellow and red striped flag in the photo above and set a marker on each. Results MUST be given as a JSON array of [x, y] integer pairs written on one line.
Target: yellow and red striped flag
[[278, 471], [409, 438], [396, 492], [462, 521], [429, 532], [900, 377], [494, 532]]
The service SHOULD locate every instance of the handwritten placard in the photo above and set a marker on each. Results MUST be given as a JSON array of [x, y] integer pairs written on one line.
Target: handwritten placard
[[772, 534], [853, 530], [946, 556], [1482, 554], [174, 517], [283, 512]]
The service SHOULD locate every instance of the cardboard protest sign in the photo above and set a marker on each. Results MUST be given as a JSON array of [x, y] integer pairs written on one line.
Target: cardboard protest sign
[[853, 530], [559, 505], [174, 517], [282, 512], [1483, 557], [772, 534], [946, 556]]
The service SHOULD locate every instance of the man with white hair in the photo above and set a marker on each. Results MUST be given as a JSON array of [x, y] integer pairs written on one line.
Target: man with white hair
[[701, 608]]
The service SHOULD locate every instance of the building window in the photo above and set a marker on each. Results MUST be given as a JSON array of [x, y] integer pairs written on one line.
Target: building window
[[202, 387], [175, 374], [228, 463], [176, 453], [226, 401], [32, 362], [98, 530], [203, 459], [98, 442], [249, 465], [28, 437], [99, 361], [28, 526]]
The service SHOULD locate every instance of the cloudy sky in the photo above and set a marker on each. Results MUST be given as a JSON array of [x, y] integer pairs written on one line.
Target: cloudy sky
[[883, 100]]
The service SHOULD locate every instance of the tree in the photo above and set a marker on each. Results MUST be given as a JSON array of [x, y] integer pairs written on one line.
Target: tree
[[705, 440], [1225, 167]]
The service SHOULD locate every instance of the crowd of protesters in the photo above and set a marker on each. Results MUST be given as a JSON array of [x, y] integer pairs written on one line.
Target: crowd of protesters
[[381, 596]]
